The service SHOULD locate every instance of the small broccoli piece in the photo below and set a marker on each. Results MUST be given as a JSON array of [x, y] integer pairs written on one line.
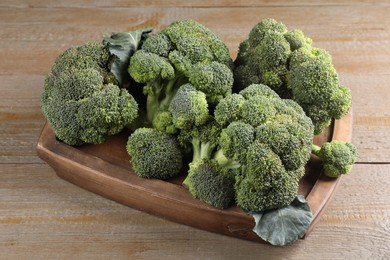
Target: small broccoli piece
[[154, 154], [184, 52], [235, 139], [163, 121], [81, 100], [188, 107], [214, 79], [297, 39], [228, 109], [211, 183], [158, 44], [338, 157], [286, 61]]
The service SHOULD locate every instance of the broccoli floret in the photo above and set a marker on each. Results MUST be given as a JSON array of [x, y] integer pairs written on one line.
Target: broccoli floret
[[266, 56], [207, 179], [235, 139], [158, 44], [184, 52], [211, 183], [81, 100], [315, 85], [154, 154], [286, 61], [266, 184], [214, 79], [297, 39], [163, 121], [337, 157], [228, 109], [188, 107]]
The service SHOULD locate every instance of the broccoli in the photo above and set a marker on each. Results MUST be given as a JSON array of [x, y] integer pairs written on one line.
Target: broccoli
[[188, 107], [286, 61], [211, 183], [266, 183], [81, 99], [184, 52], [207, 179], [338, 157], [154, 154], [248, 131], [265, 129]]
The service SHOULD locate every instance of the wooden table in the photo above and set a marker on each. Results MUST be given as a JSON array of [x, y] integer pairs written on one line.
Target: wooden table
[[42, 216]]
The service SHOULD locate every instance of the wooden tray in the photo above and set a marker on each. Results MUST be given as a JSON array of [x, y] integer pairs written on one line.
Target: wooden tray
[[105, 170]]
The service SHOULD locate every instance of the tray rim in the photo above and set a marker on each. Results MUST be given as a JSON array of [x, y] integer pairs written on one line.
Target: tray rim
[[100, 176]]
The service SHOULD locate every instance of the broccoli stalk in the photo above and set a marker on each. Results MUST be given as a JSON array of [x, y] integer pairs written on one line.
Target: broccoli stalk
[[337, 157], [160, 95]]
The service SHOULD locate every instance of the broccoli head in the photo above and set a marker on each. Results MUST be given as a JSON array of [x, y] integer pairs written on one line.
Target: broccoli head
[[188, 107], [264, 129], [287, 62], [266, 184], [211, 183], [184, 52], [337, 157], [81, 99], [244, 125], [154, 154]]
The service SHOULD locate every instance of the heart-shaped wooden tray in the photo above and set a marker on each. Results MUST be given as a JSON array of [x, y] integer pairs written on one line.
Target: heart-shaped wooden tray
[[105, 170]]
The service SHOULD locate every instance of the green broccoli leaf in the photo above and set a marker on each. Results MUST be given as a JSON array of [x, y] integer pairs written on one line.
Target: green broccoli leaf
[[123, 45], [284, 225]]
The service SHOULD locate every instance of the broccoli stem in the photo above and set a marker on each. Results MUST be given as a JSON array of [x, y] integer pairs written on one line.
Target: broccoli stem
[[161, 97], [315, 149], [151, 107], [224, 161], [201, 150]]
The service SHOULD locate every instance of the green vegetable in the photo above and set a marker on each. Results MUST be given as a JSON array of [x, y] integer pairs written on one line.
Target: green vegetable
[[154, 154], [337, 157], [211, 183], [286, 61], [81, 99], [184, 52], [284, 225], [260, 139]]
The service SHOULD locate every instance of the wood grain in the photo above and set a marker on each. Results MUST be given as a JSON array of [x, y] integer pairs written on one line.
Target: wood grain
[[41, 216], [43, 212]]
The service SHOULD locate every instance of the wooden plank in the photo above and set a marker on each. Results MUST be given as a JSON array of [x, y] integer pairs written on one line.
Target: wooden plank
[[362, 48], [175, 3], [21, 118], [41, 213]]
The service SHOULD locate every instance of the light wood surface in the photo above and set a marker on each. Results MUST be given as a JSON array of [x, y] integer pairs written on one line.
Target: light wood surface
[[43, 216]]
